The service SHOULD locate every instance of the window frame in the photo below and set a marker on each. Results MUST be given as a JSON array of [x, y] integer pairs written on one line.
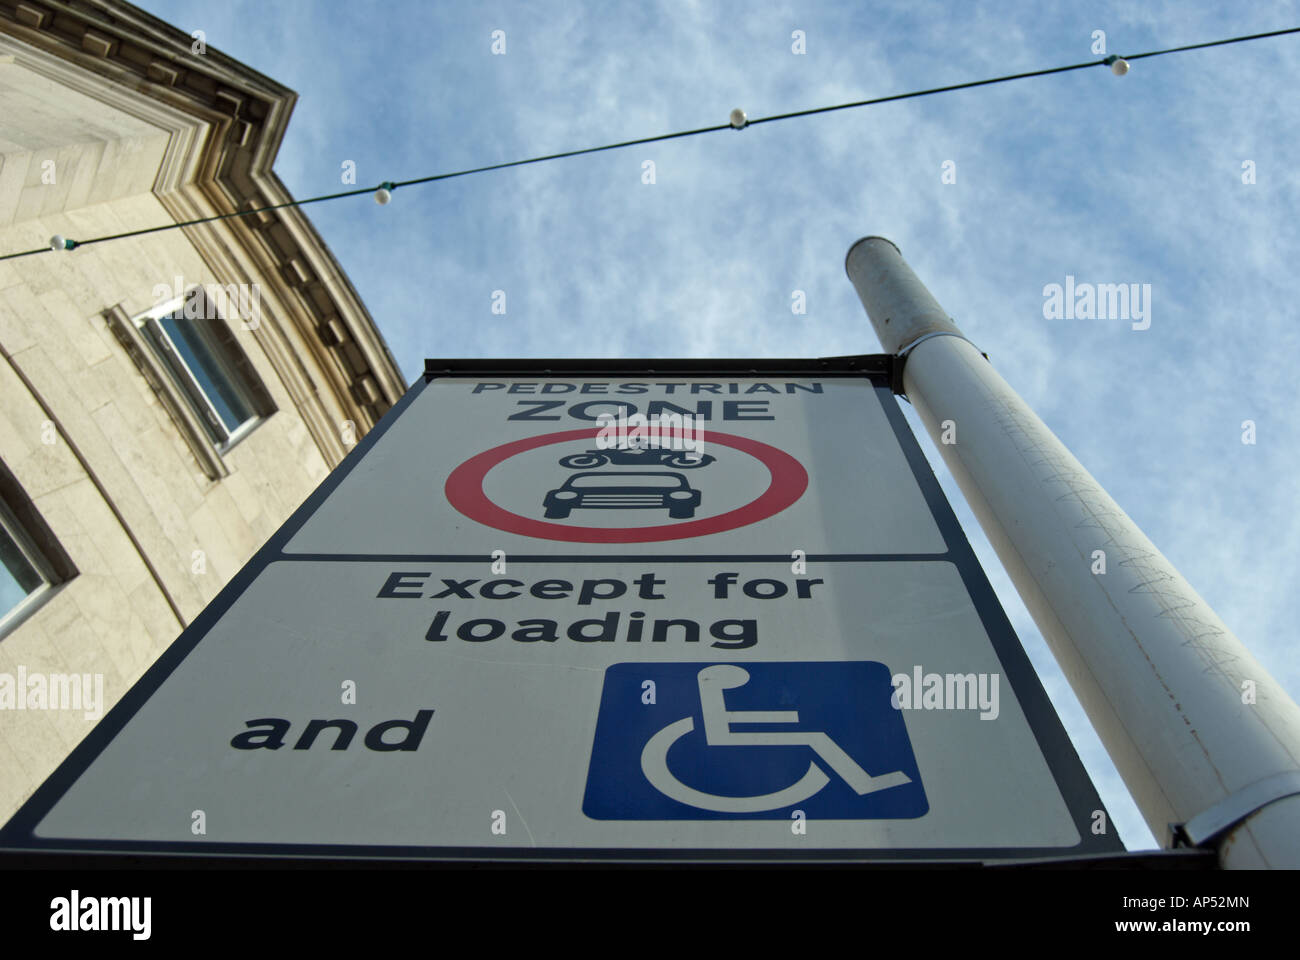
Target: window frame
[[51, 580], [152, 331], [181, 409]]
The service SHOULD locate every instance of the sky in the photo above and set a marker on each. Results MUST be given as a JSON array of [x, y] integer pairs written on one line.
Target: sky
[[1180, 175]]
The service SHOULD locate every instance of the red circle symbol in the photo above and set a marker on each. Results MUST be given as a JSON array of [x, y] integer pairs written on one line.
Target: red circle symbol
[[465, 492]]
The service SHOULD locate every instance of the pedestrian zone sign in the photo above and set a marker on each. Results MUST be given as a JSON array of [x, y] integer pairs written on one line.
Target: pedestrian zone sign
[[694, 610]]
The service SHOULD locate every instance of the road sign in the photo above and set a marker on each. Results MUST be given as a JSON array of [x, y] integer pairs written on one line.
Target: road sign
[[844, 717], [576, 609]]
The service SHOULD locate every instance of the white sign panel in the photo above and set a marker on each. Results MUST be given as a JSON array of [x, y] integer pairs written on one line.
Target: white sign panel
[[572, 614]]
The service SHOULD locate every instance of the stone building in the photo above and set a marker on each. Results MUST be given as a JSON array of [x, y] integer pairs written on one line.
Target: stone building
[[166, 399]]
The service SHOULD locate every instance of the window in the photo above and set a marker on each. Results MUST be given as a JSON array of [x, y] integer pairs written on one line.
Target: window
[[190, 358], [201, 357], [22, 581], [32, 564]]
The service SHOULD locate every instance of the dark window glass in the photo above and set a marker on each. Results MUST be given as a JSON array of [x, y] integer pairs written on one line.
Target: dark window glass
[[18, 578], [212, 376]]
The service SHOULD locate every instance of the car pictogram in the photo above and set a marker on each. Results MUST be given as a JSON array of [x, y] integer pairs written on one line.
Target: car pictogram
[[623, 491]]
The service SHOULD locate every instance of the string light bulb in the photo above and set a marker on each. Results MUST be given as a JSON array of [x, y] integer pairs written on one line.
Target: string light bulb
[[384, 193], [738, 118], [60, 242]]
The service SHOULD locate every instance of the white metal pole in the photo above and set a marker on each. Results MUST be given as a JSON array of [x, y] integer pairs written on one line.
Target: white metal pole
[[1203, 737]]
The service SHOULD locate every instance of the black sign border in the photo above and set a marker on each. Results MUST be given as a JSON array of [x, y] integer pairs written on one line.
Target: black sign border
[[18, 841]]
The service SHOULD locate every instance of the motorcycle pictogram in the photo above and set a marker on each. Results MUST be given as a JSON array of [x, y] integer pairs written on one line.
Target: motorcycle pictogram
[[681, 459]]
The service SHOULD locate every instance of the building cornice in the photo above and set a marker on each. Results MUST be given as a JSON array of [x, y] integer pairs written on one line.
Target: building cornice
[[231, 122]]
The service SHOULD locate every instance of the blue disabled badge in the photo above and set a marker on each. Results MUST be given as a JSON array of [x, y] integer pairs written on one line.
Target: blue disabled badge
[[721, 741]]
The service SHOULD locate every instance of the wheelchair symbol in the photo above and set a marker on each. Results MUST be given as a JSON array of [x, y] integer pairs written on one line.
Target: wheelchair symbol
[[713, 681]]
